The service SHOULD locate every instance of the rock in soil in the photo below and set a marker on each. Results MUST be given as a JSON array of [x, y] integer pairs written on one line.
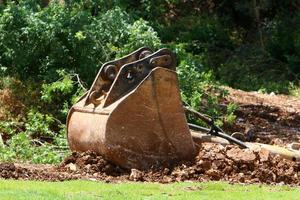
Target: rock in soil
[[136, 175], [214, 162]]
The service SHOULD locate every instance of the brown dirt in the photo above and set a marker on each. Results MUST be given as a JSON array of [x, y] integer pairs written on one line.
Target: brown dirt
[[264, 118], [270, 119], [214, 162]]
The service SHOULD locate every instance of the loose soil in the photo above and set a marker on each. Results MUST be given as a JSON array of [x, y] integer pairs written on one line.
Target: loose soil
[[272, 119]]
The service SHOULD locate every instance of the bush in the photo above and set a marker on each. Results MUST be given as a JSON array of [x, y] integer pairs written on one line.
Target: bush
[[22, 148], [140, 34], [284, 41], [200, 90], [34, 43], [33, 140], [253, 69]]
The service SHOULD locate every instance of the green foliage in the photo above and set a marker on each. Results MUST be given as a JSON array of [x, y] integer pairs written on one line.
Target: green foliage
[[35, 43], [284, 40], [230, 117], [252, 45], [10, 127], [37, 143], [59, 95], [140, 34], [253, 69], [201, 33], [63, 86], [22, 148], [294, 90], [38, 125], [200, 90], [40, 137]]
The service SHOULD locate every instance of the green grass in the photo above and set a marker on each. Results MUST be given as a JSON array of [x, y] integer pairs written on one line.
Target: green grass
[[12, 189]]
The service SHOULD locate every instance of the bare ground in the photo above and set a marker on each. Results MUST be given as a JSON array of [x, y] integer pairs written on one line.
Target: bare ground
[[272, 119]]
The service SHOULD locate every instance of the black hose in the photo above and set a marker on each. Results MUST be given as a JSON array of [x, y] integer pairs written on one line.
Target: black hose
[[218, 134]]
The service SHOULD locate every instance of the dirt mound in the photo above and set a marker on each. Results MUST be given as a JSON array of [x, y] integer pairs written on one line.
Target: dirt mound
[[214, 162], [31, 172], [243, 165], [285, 103], [270, 119], [89, 163]]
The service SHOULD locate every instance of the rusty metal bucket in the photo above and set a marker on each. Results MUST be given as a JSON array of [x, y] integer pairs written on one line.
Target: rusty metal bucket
[[133, 114]]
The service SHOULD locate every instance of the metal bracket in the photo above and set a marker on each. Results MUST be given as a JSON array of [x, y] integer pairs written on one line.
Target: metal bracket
[[131, 74], [108, 73]]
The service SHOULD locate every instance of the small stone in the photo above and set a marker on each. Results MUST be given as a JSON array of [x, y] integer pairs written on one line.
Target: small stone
[[237, 155], [241, 177], [219, 156], [72, 167], [204, 164], [136, 175], [228, 169], [88, 166], [264, 155], [108, 180], [281, 183], [214, 174], [183, 175], [166, 171], [277, 141], [296, 176], [217, 164], [95, 174], [166, 179], [77, 175]]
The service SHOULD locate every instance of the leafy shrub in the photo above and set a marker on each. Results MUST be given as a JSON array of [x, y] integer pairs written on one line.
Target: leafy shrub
[[38, 125], [37, 43], [22, 148], [63, 86], [37, 142], [34, 43], [15, 95], [200, 90], [253, 69], [58, 96], [284, 41], [140, 34]]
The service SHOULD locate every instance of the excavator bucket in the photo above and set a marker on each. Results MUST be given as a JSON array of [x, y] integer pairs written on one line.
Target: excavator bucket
[[133, 115]]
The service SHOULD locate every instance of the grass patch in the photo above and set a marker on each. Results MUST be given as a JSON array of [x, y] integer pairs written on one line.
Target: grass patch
[[12, 189]]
